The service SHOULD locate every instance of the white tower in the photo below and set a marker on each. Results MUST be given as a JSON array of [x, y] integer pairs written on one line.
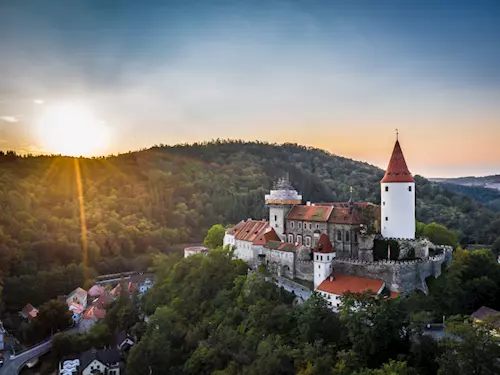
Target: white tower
[[280, 201], [398, 198], [323, 256]]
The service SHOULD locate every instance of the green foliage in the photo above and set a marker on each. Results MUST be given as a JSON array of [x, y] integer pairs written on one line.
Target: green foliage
[[496, 246], [470, 350], [53, 316], [381, 246], [215, 236], [439, 235], [488, 197], [68, 344]]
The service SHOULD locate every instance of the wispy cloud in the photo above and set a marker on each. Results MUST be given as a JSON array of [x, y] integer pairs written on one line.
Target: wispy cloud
[[9, 119]]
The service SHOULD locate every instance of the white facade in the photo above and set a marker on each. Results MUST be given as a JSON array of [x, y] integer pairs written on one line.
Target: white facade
[[322, 267], [398, 210], [333, 300], [277, 215], [195, 250], [98, 367], [244, 250]]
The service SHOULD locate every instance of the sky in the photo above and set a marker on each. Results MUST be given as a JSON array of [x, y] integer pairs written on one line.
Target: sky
[[337, 75]]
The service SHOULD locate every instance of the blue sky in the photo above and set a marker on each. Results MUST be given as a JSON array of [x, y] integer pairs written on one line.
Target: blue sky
[[339, 75]]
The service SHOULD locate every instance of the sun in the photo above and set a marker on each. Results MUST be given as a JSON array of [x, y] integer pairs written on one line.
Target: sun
[[72, 130]]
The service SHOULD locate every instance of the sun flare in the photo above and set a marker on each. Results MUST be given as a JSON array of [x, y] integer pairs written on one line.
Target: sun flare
[[73, 130]]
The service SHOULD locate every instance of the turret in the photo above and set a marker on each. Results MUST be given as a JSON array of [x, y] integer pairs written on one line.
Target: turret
[[323, 256], [398, 198], [280, 201]]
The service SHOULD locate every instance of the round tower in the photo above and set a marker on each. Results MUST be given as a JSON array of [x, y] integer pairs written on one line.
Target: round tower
[[397, 198], [280, 201]]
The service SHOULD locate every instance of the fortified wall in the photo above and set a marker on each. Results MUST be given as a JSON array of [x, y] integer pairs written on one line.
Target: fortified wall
[[400, 276]]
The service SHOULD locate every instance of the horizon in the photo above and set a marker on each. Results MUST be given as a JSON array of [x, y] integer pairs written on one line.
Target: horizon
[[338, 75]]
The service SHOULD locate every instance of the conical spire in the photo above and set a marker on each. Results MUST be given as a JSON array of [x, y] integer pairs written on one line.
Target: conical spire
[[397, 170]]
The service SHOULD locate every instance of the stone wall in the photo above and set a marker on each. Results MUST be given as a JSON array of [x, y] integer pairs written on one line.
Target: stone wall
[[399, 276], [304, 270]]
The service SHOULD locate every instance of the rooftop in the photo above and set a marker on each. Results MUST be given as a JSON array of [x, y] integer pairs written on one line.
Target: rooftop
[[484, 312], [105, 356], [250, 230], [342, 284], [282, 246], [310, 213], [324, 245], [397, 170]]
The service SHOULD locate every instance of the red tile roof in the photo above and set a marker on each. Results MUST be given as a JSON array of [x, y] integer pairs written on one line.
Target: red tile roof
[[397, 171], [96, 290], [94, 313], [250, 230], [29, 311], [76, 307], [265, 236], [310, 213], [324, 245], [342, 284]]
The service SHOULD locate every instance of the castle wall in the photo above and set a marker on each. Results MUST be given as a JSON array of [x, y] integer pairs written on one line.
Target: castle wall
[[399, 276], [304, 270], [345, 248]]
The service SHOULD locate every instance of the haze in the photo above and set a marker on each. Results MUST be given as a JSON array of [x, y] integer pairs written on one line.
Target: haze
[[338, 75]]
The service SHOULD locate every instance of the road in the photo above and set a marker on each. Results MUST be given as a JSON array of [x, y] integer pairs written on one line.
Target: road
[[14, 364]]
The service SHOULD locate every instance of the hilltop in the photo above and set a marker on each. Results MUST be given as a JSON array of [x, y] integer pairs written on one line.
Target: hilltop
[[490, 182], [143, 202]]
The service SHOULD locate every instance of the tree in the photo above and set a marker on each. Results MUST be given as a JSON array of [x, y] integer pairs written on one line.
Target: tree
[[496, 246], [469, 348], [440, 235], [391, 368], [215, 236], [53, 316]]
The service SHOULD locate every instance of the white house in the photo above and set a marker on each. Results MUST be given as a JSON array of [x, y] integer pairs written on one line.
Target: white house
[[102, 361], [397, 190], [143, 281], [335, 286], [78, 296], [193, 250]]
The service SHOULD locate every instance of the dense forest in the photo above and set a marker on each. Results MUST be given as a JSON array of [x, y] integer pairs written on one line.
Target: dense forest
[[142, 203], [209, 316], [488, 197]]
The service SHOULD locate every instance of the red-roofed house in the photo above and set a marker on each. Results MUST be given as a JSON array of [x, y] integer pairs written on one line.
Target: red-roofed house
[[92, 315], [29, 312], [248, 238], [96, 291], [77, 311], [335, 286]]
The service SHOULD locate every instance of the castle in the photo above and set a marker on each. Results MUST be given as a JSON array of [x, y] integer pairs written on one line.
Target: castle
[[332, 244]]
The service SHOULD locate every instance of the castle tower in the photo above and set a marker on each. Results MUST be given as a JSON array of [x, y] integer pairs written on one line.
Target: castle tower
[[280, 201], [398, 198], [323, 256]]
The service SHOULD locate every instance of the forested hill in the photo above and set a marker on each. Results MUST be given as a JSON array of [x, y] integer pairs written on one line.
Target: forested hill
[[144, 201]]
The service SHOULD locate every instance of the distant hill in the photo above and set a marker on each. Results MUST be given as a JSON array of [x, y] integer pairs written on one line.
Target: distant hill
[[490, 182], [144, 202]]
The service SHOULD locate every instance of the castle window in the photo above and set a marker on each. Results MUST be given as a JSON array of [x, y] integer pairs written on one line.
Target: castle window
[[321, 257], [319, 266], [317, 226], [299, 239], [347, 236], [387, 188], [275, 217], [308, 241], [409, 188], [355, 237], [290, 238], [292, 224], [328, 257], [339, 235], [310, 226], [300, 224], [386, 218], [383, 203]]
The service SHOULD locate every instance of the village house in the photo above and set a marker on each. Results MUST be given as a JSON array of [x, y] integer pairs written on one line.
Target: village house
[[143, 281], [96, 291], [77, 311], [29, 312], [90, 317], [78, 296], [101, 361], [193, 250], [123, 341]]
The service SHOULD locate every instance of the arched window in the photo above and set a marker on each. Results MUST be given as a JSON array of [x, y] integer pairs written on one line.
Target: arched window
[[299, 239], [290, 238], [339, 235], [308, 241]]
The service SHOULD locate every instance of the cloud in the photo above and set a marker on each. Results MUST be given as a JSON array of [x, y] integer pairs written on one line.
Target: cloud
[[9, 119], [38, 101]]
